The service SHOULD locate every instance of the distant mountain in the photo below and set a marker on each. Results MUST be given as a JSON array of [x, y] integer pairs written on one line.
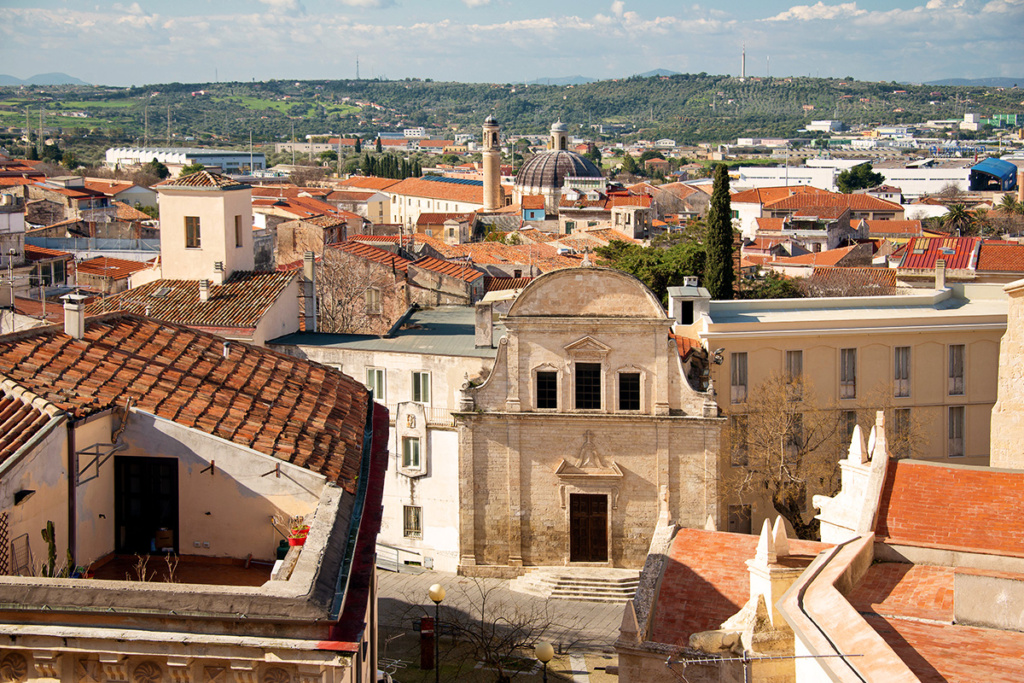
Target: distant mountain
[[658, 72], [564, 80], [991, 82], [56, 78]]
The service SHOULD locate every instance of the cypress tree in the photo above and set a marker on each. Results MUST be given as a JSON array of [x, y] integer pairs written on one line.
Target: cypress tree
[[359, 146], [718, 273], [380, 146]]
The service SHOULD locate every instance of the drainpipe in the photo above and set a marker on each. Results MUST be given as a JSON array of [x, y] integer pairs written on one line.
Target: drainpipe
[[72, 493]]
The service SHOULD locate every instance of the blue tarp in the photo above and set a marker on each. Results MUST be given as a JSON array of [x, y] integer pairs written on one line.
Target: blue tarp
[[992, 169]]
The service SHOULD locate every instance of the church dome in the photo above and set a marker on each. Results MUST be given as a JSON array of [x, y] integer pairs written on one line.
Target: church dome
[[548, 170]]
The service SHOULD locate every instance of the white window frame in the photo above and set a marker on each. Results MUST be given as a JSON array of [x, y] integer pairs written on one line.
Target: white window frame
[[738, 377], [412, 521], [847, 373], [618, 389], [412, 453], [378, 383], [421, 387], [901, 372], [373, 301]]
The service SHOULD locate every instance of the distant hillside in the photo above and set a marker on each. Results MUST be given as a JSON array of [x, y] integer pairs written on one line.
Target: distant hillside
[[658, 72], [564, 80], [992, 82], [56, 78]]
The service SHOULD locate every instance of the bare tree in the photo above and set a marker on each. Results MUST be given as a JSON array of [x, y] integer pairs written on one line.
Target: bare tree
[[786, 446], [837, 282], [358, 296]]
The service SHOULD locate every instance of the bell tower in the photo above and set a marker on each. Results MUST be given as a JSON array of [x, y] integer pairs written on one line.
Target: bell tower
[[559, 136], [492, 164]]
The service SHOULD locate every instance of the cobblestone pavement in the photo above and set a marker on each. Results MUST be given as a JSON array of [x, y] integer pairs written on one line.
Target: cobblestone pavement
[[585, 630]]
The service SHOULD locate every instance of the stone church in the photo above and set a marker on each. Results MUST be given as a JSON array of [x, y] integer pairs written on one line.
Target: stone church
[[586, 434]]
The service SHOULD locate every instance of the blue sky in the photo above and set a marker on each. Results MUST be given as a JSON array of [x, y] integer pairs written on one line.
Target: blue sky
[[134, 43]]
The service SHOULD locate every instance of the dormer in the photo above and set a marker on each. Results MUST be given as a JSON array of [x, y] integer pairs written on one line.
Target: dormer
[[687, 303]]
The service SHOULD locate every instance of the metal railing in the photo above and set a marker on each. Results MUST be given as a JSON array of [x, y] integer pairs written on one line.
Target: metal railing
[[75, 244], [436, 416]]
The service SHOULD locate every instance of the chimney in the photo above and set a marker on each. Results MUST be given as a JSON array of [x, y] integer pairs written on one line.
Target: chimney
[[484, 325], [940, 274], [218, 273], [74, 314], [309, 290], [204, 290], [690, 281]]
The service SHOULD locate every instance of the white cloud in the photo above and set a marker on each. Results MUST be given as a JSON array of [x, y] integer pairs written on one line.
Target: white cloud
[[476, 3], [818, 10], [618, 7], [374, 4], [284, 5]]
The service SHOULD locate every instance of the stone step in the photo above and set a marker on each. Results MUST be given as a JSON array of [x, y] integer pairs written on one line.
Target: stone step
[[588, 585]]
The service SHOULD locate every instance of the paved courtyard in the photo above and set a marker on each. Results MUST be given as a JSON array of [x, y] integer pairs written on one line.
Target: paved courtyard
[[583, 633]]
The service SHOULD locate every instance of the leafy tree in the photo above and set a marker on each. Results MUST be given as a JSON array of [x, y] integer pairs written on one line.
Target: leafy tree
[[650, 154], [594, 154], [773, 286], [1009, 205], [958, 219], [629, 164], [860, 177], [657, 268], [69, 161], [156, 168], [719, 271], [328, 156], [190, 169]]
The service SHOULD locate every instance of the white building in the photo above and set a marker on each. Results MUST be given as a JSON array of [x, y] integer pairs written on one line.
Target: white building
[[174, 158]]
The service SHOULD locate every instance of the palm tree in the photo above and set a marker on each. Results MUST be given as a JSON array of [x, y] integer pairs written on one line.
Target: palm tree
[[958, 218], [1009, 204]]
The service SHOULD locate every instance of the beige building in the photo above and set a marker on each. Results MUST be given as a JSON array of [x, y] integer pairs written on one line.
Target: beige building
[[1007, 425], [585, 431], [928, 359]]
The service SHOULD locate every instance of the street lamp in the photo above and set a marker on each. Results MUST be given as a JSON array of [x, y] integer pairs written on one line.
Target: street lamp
[[544, 652], [436, 593]]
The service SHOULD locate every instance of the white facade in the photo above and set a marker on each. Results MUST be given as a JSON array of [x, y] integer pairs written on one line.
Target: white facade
[[760, 176], [406, 209], [230, 162]]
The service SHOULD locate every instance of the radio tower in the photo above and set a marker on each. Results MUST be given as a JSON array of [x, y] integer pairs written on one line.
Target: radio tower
[[743, 63]]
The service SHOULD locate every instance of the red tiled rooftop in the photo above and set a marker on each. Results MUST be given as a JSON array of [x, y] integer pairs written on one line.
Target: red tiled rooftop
[[238, 304], [129, 213], [963, 508], [368, 182], [440, 218], [706, 581], [116, 268], [108, 187], [829, 257], [456, 270], [685, 345], [893, 227], [287, 191], [906, 590], [1005, 258], [454, 192], [372, 253], [500, 284], [533, 202], [884, 278], [300, 412], [770, 224], [958, 252], [19, 422], [34, 253], [766, 195], [821, 212], [205, 180], [855, 202]]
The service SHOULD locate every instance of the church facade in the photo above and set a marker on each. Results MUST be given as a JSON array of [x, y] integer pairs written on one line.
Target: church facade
[[586, 434]]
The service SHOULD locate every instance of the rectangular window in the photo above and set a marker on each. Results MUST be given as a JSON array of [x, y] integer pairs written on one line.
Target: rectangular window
[[629, 391], [375, 379], [899, 442], [956, 431], [738, 363], [738, 434], [410, 452], [901, 372], [192, 232], [58, 273], [588, 386], [846, 425], [373, 306], [238, 231], [795, 374], [547, 390], [421, 387], [412, 522], [956, 370], [848, 373]]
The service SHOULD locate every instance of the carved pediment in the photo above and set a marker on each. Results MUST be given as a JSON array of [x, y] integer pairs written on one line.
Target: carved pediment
[[587, 347], [588, 465]]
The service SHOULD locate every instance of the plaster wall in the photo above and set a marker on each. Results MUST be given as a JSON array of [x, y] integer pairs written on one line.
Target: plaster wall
[[1007, 429], [406, 209], [282, 317], [230, 506], [216, 211], [41, 467]]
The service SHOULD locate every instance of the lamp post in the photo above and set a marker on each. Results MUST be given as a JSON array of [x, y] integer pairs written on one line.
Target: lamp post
[[544, 652], [436, 593]]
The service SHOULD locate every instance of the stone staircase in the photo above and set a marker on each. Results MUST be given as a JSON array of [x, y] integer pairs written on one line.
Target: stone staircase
[[584, 584]]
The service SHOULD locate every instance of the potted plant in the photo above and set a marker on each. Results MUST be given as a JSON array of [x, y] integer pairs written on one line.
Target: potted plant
[[298, 532]]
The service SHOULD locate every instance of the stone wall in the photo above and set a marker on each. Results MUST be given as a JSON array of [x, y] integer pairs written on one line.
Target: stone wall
[[1007, 448]]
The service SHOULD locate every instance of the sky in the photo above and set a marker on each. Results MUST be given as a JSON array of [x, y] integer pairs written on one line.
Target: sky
[[507, 41]]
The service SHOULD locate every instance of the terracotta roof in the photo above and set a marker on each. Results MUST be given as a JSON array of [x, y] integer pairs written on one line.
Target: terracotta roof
[[770, 224], [456, 270], [536, 236], [533, 202], [129, 213], [390, 239], [543, 256], [686, 345], [368, 182], [72, 192], [766, 195], [287, 191], [350, 195], [300, 412], [958, 252], [116, 268], [54, 310], [827, 212], [108, 187], [1005, 258], [855, 202], [372, 253], [706, 581], [820, 258], [16, 180], [680, 190], [238, 304], [632, 200], [34, 253], [204, 180], [582, 203], [610, 235], [886, 228], [439, 189], [440, 218], [884, 278], [917, 508], [500, 284], [20, 420]]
